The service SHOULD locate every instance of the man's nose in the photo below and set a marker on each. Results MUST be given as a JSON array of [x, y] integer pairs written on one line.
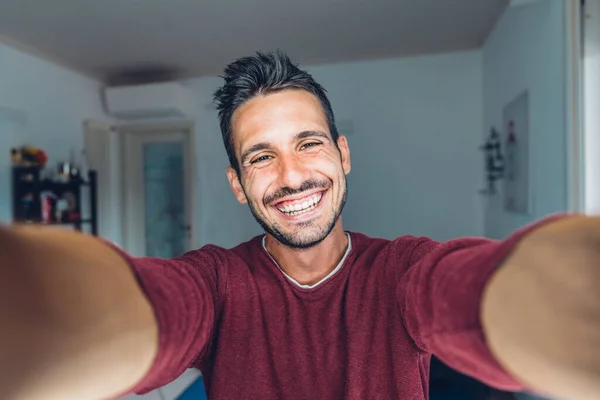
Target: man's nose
[[292, 173]]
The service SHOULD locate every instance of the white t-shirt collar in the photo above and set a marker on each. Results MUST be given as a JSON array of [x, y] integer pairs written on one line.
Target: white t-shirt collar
[[336, 269]]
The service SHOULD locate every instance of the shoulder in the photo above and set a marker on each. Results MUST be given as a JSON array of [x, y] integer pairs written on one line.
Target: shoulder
[[406, 249], [212, 267], [210, 262], [218, 256], [222, 265]]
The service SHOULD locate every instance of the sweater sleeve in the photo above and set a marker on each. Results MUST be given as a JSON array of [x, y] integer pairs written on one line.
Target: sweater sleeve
[[183, 293], [440, 297]]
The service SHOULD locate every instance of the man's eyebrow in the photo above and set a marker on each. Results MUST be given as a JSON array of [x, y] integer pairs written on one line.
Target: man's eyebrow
[[253, 149], [309, 134]]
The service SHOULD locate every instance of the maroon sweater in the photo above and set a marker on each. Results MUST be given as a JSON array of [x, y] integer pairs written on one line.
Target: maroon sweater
[[366, 333]]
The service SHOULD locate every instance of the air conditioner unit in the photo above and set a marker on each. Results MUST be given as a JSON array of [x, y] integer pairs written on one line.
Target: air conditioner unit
[[156, 100]]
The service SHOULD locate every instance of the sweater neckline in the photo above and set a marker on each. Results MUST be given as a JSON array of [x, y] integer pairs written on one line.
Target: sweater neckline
[[318, 285]]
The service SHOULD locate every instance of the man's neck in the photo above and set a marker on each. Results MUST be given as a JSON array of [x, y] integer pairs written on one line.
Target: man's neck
[[309, 266]]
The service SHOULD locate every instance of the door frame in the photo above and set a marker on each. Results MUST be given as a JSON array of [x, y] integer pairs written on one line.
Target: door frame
[[574, 93], [133, 212]]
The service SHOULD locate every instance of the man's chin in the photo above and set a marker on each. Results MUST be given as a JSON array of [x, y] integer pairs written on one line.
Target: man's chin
[[302, 237], [300, 243]]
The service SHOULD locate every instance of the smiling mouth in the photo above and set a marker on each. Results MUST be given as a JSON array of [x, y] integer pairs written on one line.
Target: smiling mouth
[[300, 206]]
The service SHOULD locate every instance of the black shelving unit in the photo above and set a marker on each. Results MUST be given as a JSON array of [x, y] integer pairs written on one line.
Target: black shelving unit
[[49, 202]]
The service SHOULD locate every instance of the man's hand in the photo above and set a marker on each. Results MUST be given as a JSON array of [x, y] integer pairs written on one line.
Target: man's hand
[[541, 310]]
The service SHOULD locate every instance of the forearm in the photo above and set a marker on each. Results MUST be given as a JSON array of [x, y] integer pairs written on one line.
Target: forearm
[[74, 321], [541, 310]]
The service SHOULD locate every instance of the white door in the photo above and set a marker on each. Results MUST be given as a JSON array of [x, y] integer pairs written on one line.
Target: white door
[[157, 190]]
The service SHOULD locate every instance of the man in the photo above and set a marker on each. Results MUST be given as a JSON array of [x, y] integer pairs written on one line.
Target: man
[[306, 311]]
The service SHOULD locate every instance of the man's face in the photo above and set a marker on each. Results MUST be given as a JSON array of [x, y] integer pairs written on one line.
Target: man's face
[[293, 176]]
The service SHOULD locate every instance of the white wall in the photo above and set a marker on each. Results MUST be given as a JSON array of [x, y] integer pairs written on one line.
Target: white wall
[[416, 128], [416, 167], [42, 105], [526, 52]]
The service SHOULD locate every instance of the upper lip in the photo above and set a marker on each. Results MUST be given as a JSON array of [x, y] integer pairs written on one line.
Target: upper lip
[[298, 196]]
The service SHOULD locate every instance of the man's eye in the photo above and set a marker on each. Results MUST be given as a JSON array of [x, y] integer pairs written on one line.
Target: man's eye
[[309, 145], [260, 159]]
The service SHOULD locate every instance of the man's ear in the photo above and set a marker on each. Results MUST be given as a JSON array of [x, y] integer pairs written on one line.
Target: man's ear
[[236, 186], [345, 153]]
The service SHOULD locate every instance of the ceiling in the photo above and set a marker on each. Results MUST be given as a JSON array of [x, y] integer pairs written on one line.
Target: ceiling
[[116, 40]]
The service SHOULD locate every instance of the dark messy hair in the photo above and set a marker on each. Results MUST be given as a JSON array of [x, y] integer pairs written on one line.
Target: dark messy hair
[[262, 74]]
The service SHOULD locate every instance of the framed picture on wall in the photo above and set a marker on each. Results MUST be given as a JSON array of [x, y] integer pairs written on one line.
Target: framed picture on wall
[[517, 176]]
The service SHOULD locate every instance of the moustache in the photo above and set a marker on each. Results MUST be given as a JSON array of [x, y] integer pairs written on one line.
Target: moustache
[[287, 191]]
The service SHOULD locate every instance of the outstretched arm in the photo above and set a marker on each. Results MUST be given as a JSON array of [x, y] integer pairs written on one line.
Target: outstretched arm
[[518, 314], [541, 310], [74, 321]]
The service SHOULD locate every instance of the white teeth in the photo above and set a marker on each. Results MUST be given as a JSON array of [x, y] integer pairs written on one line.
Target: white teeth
[[300, 208]]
